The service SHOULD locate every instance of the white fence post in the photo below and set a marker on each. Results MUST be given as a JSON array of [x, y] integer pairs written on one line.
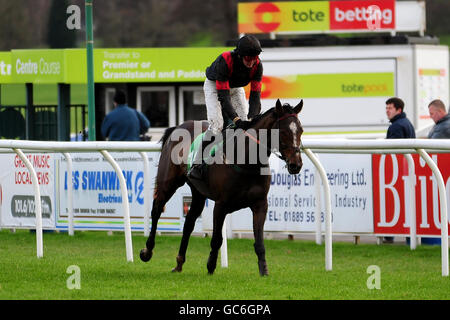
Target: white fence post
[[224, 247], [125, 203], [69, 193], [327, 193], [318, 206], [443, 207], [37, 203], [412, 202], [146, 194]]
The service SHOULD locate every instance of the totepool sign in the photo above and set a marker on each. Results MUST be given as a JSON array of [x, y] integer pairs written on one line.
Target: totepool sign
[[329, 85], [316, 16]]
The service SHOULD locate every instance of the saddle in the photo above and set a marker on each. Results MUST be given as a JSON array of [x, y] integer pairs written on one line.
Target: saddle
[[195, 147]]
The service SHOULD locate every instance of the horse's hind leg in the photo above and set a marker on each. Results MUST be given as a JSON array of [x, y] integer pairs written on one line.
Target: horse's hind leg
[[197, 205], [161, 197], [259, 217]]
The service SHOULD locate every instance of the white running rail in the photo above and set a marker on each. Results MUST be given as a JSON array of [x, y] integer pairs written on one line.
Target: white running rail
[[382, 146]]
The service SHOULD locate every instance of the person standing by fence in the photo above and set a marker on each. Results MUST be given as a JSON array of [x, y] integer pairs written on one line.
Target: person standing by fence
[[124, 123], [400, 128], [441, 118]]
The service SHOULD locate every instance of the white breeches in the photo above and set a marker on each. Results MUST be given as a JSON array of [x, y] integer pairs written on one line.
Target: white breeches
[[214, 109]]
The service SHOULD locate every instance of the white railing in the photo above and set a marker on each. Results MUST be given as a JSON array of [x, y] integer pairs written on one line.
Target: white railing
[[402, 146], [104, 148]]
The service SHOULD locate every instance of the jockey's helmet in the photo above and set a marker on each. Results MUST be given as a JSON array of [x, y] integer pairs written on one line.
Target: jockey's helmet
[[248, 45]]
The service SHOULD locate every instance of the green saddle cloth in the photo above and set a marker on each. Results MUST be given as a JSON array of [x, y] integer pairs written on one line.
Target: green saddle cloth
[[195, 147]]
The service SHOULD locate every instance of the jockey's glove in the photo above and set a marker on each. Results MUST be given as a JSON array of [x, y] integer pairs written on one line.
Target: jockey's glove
[[241, 124]]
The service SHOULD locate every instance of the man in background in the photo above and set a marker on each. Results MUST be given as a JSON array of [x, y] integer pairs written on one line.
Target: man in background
[[400, 128], [441, 118], [124, 123]]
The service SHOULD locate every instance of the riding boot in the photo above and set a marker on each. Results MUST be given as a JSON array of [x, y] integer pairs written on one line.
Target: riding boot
[[198, 169]]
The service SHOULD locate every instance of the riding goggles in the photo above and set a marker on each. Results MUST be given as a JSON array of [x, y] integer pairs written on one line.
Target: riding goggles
[[249, 59]]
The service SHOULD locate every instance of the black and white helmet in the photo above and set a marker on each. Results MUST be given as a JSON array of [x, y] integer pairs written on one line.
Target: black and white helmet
[[248, 45]]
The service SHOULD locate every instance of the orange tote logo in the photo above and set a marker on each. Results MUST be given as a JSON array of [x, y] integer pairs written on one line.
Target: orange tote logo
[[267, 17]]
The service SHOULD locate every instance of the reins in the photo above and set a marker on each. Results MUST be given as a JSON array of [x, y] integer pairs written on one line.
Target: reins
[[274, 151]]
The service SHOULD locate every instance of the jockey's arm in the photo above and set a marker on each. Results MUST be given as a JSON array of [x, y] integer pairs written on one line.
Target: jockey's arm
[[255, 92], [254, 99], [225, 101]]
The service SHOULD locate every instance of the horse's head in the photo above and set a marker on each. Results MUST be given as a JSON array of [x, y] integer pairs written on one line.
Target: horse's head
[[290, 134]]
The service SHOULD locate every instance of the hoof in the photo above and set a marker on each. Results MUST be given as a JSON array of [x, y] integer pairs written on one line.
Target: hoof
[[145, 255], [180, 262], [263, 271], [211, 266]]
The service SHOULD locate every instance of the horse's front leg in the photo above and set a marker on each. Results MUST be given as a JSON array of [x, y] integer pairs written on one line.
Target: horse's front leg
[[216, 239], [197, 205], [259, 217]]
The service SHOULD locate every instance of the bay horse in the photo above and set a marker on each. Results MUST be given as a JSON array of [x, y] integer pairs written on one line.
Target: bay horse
[[232, 187]]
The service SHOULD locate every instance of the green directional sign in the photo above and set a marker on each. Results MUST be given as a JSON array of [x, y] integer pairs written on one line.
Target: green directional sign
[[111, 65], [5, 67], [37, 66], [153, 65]]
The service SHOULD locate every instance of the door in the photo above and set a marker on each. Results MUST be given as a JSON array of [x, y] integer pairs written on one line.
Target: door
[[191, 101], [158, 105]]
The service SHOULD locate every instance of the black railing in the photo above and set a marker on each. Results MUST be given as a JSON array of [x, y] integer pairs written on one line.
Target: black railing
[[78, 122], [45, 126], [12, 122], [44, 123]]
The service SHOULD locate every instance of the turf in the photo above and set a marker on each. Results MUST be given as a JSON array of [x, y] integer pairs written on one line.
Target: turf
[[296, 268]]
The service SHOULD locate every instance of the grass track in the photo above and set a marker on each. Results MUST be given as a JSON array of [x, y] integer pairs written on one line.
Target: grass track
[[296, 270]]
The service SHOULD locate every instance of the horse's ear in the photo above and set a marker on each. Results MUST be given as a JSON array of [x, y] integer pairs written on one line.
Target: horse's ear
[[298, 107], [278, 108]]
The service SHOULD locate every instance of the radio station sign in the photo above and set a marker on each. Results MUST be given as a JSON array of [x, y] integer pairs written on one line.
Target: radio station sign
[[316, 16], [17, 202]]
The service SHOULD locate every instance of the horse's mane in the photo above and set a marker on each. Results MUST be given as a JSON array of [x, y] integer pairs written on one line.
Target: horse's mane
[[287, 108], [166, 135]]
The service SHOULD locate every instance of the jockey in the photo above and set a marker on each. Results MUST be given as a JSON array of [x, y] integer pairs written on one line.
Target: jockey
[[225, 96]]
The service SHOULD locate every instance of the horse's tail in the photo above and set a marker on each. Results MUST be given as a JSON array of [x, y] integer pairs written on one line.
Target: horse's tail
[[166, 135]]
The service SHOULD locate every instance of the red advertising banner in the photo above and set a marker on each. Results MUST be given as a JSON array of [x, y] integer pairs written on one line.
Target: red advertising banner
[[391, 194], [362, 15]]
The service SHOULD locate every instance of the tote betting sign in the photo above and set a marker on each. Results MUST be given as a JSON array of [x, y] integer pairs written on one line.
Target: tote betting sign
[[316, 16]]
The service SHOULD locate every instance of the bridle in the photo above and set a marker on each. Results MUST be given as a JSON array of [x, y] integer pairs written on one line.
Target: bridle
[[282, 145]]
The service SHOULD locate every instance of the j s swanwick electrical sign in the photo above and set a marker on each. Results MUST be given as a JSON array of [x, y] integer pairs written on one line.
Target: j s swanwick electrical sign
[[316, 16]]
